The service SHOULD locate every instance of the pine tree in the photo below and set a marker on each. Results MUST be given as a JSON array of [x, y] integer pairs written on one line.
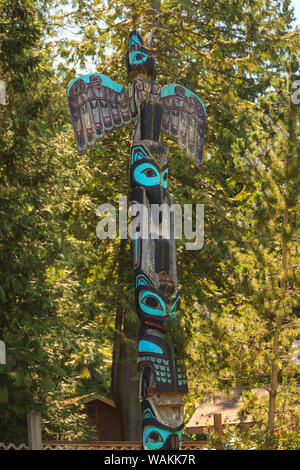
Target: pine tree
[[41, 335], [267, 266]]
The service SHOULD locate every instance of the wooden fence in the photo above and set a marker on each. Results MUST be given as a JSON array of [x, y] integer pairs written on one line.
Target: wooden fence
[[112, 445], [12, 446], [35, 442], [96, 445]]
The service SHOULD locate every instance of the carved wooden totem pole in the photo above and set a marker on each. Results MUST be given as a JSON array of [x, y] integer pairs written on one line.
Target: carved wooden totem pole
[[99, 105]]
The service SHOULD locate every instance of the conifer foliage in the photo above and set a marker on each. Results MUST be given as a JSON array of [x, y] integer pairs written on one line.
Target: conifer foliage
[[66, 300]]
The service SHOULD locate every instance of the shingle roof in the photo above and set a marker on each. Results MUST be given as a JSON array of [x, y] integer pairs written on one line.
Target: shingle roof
[[226, 404], [91, 397]]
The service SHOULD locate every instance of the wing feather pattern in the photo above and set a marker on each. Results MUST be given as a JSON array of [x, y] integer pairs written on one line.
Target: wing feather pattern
[[183, 119], [97, 105]]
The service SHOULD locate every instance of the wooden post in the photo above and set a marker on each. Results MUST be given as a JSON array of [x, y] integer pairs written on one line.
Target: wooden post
[[34, 427], [2, 92], [2, 352], [218, 429]]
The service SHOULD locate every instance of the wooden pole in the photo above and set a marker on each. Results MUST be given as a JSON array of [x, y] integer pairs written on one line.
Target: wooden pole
[[34, 427], [156, 7], [2, 352], [163, 380], [218, 429], [2, 92]]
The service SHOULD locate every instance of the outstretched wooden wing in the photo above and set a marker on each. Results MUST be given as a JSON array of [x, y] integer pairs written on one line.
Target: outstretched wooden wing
[[97, 105], [183, 119]]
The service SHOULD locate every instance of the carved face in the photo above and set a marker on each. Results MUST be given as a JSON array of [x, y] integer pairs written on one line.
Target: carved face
[[139, 58], [147, 174], [155, 438], [152, 304], [157, 435]]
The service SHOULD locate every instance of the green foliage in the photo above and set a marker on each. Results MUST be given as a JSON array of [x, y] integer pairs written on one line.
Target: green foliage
[[60, 287], [48, 317], [286, 435]]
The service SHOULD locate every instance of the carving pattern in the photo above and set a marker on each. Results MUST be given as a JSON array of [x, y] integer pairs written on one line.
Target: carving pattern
[[99, 105]]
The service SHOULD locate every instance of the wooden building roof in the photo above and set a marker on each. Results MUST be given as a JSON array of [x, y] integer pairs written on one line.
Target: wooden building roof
[[228, 405], [91, 397]]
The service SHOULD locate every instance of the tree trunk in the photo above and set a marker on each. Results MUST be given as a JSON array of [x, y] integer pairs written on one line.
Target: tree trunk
[[276, 343], [124, 381], [273, 385], [124, 384]]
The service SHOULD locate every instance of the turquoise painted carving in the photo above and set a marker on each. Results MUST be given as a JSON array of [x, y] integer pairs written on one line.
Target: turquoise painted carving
[[99, 105], [156, 438], [148, 346]]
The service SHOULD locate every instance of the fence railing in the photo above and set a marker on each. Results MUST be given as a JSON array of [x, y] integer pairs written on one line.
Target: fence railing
[[112, 445], [35, 441], [12, 446], [96, 445]]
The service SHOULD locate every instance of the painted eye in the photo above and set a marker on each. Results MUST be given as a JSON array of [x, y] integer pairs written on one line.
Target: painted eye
[[138, 57], [164, 179], [149, 173], [154, 437], [151, 301], [152, 304]]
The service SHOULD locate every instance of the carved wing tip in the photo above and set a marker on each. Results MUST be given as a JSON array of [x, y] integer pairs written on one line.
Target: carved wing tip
[[183, 120], [98, 105]]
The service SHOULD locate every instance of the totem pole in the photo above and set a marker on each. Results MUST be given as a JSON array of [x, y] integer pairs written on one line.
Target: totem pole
[[99, 105]]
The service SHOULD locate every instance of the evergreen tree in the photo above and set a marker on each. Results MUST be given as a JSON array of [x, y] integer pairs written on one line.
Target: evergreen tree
[[66, 299], [42, 337], [226, 52]]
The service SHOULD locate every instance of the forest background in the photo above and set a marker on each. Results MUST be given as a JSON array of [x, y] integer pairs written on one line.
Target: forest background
[[67, 312]]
